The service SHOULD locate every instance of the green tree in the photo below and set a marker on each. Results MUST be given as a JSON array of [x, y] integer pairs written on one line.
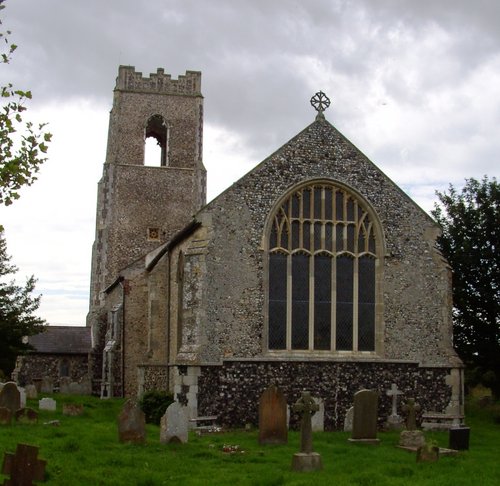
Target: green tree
[[17, 308], [22, 146], [470, 220]]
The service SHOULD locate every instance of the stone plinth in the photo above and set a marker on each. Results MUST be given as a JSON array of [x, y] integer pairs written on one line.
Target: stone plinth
[[303, 462]]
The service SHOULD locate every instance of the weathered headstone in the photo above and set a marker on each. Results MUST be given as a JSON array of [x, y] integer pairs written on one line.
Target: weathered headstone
[[348, 419], [318, 419], [5, 416], [47, 385], [86, 386], [364, 424], [10, 397], [64, 383], [74, 388], [428, 453], [394, 421], [23, 466], [22, 396], [272, 417], [31, 392], [26, 416], [72, 409], [411, 408], [306, 459], [174, 424], [411, 439], [47, 404], [132, 423]]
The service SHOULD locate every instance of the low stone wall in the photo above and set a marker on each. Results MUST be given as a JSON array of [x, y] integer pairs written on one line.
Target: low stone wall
[[232, 390]]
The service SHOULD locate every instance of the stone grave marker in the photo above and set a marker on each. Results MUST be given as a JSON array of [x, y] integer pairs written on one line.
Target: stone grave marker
[[348, 419], [22, 396], [72, 409], [26, 416], [411, 408], [86, 386], [5, 416], [174, 424], [132, 423], [64, 382], [394, 421], [306, 459], [23, 466], [47, 385], [10, 397], [74, 388], [318, 419], [272, 417], [459, 438], [47, 404], [364, 424], [31, 392]]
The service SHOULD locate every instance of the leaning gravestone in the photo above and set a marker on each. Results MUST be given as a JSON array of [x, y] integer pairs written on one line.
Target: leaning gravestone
[[348, 419], [364, 424], [174, 425], [272, 417], [47, 385], [47, 404], [31, 392], [5, 416], [132, 423], [10, 397]]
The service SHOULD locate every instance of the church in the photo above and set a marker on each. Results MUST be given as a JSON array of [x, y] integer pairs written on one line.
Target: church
[[314, 271]]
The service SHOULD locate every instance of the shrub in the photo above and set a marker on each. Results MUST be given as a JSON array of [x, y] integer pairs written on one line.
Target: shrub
[[154, 403]]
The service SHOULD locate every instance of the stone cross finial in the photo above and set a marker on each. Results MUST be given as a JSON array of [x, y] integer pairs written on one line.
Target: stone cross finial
[[320, 102], [306, 407], [411, 408], [394, 392], [23, 466]]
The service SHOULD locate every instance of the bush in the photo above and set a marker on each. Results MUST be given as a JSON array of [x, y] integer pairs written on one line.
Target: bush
[[154, 403]]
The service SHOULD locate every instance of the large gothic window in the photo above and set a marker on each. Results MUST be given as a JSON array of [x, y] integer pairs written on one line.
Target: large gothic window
[[323, 258]]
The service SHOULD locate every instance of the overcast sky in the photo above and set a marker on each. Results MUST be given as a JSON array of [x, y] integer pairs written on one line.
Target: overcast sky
[[414, 84]]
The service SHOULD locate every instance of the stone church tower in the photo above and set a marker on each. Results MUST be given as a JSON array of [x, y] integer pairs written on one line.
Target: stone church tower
[[139, 207]]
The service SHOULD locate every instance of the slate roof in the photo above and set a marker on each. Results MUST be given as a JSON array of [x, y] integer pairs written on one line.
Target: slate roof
[[62, 340]]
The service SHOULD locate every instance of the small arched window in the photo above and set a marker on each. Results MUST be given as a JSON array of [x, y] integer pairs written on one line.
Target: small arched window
[[156, 142], [323, 259]]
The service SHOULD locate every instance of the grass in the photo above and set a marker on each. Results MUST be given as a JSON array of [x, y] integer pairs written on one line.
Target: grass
[[85, 450]]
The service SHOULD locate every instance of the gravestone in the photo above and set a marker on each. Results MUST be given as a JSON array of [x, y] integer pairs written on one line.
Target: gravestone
[[10, 397], [22, 396], [272, 417], [47, 385], [31, 392], [5, 416], [459, 438], [411, 439], [132, 423], [47, 404], [64, 382], [74, 388], [306, 459], [26, 416], [174, 424], [23, 466], [86, 386], [394, 421], [364, 424], [72, 409], [411, 408], [318, 419], [348, 420]]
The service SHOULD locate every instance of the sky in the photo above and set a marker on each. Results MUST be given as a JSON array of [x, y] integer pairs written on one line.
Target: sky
[[414, 84]]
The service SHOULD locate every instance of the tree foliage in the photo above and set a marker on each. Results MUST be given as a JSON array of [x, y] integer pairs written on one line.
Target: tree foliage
[[470, 220], [22, 145], [17, 312]]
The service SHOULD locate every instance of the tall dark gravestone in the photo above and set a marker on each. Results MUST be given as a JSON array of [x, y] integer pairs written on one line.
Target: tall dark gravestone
[[364, 424], [272, 417]]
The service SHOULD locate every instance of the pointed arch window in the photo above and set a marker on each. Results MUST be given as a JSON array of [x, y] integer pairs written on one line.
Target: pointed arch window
[[156, 141], [323, 257]]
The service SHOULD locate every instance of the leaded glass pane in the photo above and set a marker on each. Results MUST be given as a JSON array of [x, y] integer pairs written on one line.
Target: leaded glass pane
[[366, 304], [350, 237], [306, 208], [300, 301], [328, 204], [344, 310], [273, 237], [295, 206], [328, 236], [295, 235], [339, 202], [306, 228], [350, 209], [317, 236], [340, 237], [322, 301], [277, 300], [317, 203]]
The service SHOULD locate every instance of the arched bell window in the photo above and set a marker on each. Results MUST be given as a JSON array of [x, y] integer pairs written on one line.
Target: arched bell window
[[324, 252], [156, 142]]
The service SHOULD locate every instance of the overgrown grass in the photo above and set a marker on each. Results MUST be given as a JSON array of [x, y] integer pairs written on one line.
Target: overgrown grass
[[85, 451]]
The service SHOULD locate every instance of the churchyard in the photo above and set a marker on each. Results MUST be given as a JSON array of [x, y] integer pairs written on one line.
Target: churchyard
[[82, 447]]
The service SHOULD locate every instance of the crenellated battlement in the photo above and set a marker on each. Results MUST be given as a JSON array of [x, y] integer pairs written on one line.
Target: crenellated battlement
[[130, 80]]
